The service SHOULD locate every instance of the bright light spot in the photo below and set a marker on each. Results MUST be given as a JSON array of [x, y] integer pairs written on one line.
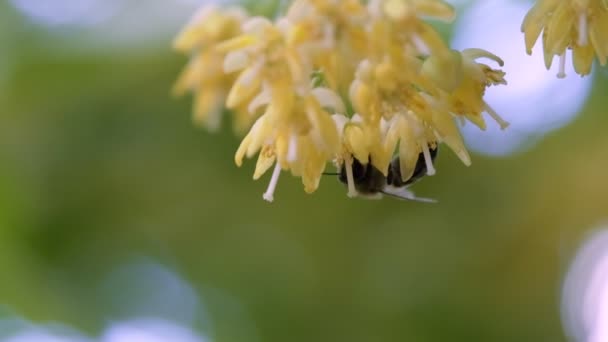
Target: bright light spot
[[112, 21], [40, 334], [150, 330], [32, 336], [585, 292], [152, 299], [535, 102], [150, 289], [66, 12]]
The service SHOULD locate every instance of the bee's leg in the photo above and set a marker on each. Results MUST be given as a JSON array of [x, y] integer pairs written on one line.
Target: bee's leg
[[350, 182], [406, 194]]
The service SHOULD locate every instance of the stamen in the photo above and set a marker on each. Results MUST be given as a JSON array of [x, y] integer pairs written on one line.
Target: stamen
[[235, 61], [502, 122], [329, 36], [474, 53], [462, 120], [262, 99], [582, 29], [350, 180], [251, 74], [214, 120], [292, 149], [374, 8], [256, 25], [430, 169], [269, 194], [328, 98], [420, 45], [562, 66]]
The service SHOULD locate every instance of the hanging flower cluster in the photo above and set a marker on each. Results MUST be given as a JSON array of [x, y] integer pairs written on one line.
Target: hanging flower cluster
[[578, 25], [336, 80]]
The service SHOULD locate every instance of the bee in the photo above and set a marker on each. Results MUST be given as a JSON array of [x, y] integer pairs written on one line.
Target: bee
[[372, 183]]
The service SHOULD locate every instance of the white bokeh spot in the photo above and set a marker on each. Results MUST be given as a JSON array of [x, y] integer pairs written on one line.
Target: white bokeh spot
[[535, 101], [66, 12], [150, 330], [585, 292], [99, 22]]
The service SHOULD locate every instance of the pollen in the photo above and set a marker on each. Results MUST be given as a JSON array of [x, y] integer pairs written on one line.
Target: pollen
[[337, 81]]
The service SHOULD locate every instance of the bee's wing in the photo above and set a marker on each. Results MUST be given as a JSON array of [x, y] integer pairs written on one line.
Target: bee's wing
[[406, 194]]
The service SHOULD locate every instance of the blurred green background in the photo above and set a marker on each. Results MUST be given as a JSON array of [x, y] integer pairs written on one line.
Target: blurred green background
[[101, 168]]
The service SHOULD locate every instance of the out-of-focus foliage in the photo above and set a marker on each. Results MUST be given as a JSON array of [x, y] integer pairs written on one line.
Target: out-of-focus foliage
[[99, 165]]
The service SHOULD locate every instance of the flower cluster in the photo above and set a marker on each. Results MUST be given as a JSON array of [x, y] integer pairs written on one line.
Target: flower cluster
[[337, 80], [579, 25]]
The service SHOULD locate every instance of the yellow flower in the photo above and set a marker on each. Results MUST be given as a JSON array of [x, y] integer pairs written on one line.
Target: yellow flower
[[294, 132], [409, 106], [579, 25], [339, 81], [406, 102], [203, 76], [356, 142], [398, 22], [463, 83], [303, 144], [336, 36]]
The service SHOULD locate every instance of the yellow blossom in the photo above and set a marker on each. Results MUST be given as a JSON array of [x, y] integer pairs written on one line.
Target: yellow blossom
[[303, 144], [336, 36], [414, 116], [343, 81], [203, 76], [294, 131], [465, 86], [398, 24], [356, 143], [579, 25]]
